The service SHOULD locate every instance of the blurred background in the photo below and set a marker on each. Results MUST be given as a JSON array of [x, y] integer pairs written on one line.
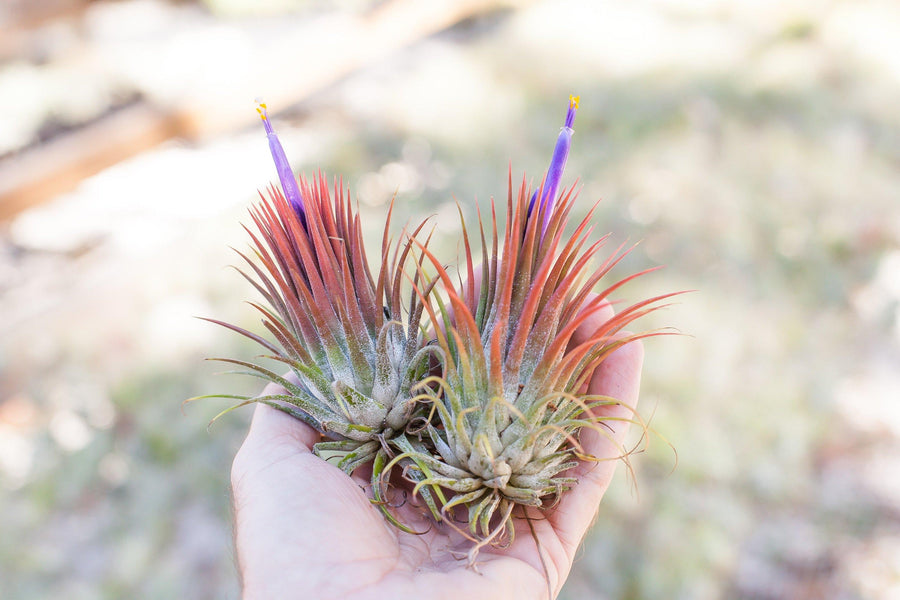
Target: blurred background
[[752, 147]]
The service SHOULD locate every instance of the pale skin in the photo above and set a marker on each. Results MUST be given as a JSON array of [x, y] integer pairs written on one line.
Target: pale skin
[[304, 529]]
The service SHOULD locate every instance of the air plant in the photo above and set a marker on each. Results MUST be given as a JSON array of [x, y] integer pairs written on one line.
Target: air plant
[[510, 401], [353, 345], [475, 389]]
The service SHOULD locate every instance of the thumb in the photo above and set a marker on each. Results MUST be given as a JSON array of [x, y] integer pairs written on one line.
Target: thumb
[[272, 426], [619, 377]]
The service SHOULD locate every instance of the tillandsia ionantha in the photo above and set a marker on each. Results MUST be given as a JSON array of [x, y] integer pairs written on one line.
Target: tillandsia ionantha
[[510, 401], [354, 347], [475, 389]]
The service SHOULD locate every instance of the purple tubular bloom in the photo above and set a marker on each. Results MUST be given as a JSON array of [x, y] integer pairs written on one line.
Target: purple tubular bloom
[[558, 163], [282, 166]]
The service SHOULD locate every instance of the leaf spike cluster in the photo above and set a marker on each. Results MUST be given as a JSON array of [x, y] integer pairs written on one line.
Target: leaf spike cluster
[[474, 390]]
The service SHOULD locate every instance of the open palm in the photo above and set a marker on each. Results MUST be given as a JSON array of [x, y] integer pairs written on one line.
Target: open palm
[[306, 530]]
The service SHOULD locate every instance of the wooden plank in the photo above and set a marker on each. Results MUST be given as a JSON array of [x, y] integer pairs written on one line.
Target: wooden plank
[[292, 68], [43, 172], [303, 62], [19, 19]]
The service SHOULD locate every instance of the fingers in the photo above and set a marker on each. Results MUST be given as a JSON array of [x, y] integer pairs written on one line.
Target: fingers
[[601, 315], [618, 377], [615, 377]]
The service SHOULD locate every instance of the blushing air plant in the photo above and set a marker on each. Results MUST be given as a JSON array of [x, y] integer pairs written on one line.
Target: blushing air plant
[[474, 390], [354, 347], [508, 406]]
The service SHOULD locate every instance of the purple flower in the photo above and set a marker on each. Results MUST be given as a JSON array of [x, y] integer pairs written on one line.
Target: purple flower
[[282, 166], [557, 165]]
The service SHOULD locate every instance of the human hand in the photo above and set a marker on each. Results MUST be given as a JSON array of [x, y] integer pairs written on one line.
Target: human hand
[[304, 529]]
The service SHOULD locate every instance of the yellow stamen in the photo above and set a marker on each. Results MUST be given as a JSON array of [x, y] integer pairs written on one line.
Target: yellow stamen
[[262, 110], [573, 101]]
